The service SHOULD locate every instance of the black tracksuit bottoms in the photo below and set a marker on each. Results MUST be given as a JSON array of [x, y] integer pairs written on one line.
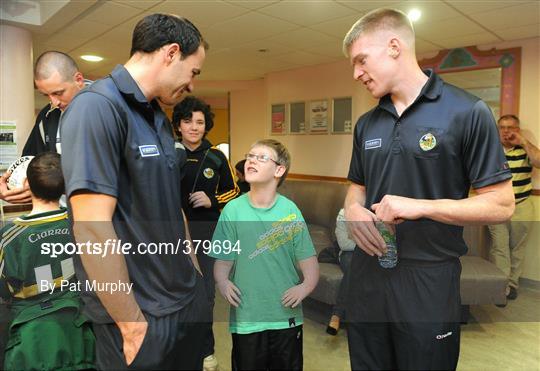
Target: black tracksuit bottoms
[[405, 318], [172, 342]]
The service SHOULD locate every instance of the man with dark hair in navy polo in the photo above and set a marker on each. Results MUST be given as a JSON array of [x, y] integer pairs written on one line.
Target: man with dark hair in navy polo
[[415, 155], [122, 174]]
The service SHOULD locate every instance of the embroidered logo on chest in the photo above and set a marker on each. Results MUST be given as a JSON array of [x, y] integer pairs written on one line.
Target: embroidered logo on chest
[[149, 150], [208, 173], [427, 142], [373, 143]]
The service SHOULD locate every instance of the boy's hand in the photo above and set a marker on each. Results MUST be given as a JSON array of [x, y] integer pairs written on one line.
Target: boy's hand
[[230, 292], [294, 296]]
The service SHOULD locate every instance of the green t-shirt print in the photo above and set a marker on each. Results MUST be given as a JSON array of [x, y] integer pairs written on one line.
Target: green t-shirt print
[[272, 240]]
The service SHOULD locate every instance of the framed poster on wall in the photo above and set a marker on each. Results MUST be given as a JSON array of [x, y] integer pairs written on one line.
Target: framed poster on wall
[[342, 115], [8, 144], [318, 116], [278, 119], [297, 118]]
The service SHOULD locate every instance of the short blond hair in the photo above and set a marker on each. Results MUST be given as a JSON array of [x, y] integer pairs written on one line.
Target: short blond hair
[[283, 155], [379, 19]]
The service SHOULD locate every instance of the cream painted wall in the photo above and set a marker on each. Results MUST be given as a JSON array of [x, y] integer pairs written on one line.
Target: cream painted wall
[[323, 81], [16, 85], [220, 131], [323, 154], [247, 118]]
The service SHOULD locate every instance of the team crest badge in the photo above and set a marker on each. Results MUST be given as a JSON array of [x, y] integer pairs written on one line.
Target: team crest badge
[[427, 142], [208, 173]]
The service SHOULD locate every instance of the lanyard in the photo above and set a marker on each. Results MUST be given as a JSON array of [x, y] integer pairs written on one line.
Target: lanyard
[[199, 171]]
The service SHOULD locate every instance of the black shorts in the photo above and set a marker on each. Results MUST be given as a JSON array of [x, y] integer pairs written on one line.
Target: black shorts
[[172, 342], [268, 350], [404, 318]]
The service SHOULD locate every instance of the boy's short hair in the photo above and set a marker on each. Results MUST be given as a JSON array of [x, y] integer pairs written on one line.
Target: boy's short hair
[[283, 155], [45, 177]]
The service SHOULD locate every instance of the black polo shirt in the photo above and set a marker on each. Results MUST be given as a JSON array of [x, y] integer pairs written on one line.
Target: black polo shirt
[[442, 144], [115, 142]]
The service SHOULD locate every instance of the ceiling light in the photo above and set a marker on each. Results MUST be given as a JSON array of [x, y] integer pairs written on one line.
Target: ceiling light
[[414, 15], [92, 58]]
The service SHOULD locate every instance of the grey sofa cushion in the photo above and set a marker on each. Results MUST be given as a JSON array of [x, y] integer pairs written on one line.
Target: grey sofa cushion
[[321, 237], [481, 282], [329, 281], [319, 201]]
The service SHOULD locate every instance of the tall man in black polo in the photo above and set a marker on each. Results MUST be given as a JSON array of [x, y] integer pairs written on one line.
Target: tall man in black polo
[[415, 155], [122, 176]]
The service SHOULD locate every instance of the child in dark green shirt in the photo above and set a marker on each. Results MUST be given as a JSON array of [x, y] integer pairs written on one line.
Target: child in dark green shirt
[[48, 331]]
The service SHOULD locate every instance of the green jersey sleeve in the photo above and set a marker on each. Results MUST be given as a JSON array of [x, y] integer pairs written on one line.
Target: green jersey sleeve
[[4, 290]]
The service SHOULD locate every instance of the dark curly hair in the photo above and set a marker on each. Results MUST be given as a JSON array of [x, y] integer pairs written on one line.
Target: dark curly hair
[[184, 110]]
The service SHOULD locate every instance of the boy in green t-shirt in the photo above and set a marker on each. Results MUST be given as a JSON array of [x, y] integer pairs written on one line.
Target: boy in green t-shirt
[[47, 331], [260, 242]]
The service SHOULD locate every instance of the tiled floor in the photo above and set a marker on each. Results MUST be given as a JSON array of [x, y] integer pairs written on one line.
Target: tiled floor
[[495, 339]]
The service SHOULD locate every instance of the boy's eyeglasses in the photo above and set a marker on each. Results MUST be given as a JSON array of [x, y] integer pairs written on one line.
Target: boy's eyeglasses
[[260, 158]]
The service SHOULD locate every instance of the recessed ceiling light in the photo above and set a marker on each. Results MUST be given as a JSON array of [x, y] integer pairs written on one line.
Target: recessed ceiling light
[[414, 15], [92, 58]]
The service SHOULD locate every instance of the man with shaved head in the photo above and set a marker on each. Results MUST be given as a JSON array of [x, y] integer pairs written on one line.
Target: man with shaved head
[[56, 76], [415, 156]]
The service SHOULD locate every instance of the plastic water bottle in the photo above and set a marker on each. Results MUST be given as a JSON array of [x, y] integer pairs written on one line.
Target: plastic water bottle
[[390, 259]]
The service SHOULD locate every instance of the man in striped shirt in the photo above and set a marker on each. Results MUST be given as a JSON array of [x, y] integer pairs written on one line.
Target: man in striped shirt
[[509, 239]]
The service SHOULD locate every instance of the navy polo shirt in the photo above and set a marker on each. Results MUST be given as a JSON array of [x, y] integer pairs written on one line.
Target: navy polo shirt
[[441, 145], [115, 142]]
